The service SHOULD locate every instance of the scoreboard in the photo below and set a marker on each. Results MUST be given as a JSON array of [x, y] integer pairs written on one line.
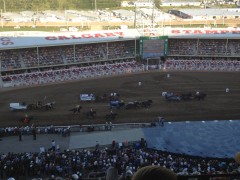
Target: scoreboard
[[153, 47]]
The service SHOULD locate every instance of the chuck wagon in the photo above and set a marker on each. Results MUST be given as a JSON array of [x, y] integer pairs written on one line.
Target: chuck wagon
[[87, 97], [18, 106]]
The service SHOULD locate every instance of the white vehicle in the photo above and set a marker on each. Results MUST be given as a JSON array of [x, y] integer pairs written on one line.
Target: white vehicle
[[18, 106], [73, 29], [87, 97], [63, 30]]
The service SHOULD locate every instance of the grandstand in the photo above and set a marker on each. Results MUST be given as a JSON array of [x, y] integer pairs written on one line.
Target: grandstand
[[58, 57], [31, 59]]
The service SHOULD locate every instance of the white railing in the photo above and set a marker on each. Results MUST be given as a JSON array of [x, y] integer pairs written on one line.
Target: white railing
[[52, 76], [202, 65]]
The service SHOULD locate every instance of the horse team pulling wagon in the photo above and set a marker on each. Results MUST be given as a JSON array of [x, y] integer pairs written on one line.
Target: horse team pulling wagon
[[114, 103], [170, 96], [37, 106]]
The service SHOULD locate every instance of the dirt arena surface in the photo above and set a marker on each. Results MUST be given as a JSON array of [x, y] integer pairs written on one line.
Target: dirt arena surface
[[217, 105]]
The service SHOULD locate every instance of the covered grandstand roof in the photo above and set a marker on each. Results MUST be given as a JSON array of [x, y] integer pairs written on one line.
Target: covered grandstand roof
[[10, 40], [14, 40], [209, 33]]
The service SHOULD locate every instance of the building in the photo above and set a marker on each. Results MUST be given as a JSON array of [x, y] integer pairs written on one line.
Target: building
[[200, 14]]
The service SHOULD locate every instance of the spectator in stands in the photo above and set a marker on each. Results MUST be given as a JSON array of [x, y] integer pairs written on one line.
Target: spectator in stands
[[154, 173], [126, 175], [53, 145], [20, 134], [34, 132], [161, 121], [112, 172]]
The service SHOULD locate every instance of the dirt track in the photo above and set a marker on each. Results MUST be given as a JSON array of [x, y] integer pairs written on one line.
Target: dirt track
[[217, 105]]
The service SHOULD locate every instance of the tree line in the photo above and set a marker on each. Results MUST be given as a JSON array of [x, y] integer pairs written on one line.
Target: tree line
[[40, 5]]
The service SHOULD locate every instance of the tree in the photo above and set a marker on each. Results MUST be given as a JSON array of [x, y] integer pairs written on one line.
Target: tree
[[54, 4], [157, 3]]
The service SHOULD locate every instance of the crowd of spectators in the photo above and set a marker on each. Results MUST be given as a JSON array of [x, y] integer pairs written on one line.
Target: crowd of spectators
[[210, 47], [27, 130], [64, 55], [120, 50], [95, 162], [234, 47], [32, 66], [49, 56], [182, 46], [30, 57], [73, 73], [202, 65], [10, 60]]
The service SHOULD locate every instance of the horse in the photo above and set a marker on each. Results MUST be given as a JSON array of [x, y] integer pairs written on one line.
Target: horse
[[49, 106], [102, 98], [187, 96], [132, 105], [146, 104], [90, 114], [37, 105], [200, 96], [77, 109], [31, 107], [110, 116]]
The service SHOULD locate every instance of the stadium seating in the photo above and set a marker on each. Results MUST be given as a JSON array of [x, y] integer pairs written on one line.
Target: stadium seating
[[212, 47], [32, 66], [94, 162], [202, 65], [182, 46], [10, 60], [30, 57], [73, 73], [206, 47], [234, 47]]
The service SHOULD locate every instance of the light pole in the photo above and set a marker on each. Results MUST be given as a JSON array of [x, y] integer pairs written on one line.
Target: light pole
[[1, 22], [206, 18], [4, 5], [135, 16], [95, 5], [152, 14], [223, 18]]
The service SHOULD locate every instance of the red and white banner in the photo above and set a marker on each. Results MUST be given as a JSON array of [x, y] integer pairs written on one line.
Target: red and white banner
[[13, 40]]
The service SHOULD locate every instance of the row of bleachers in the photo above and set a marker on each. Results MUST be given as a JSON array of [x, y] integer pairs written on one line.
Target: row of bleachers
[[10, 59], [210, 47], [120, 50], [182, 46], [234, 47], [73, 73], [51, 56], [202, 65], [88, 163], [30, 57], [90, 52]]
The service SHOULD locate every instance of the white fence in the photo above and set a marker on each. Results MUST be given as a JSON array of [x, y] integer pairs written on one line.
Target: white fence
[[52, 76]]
